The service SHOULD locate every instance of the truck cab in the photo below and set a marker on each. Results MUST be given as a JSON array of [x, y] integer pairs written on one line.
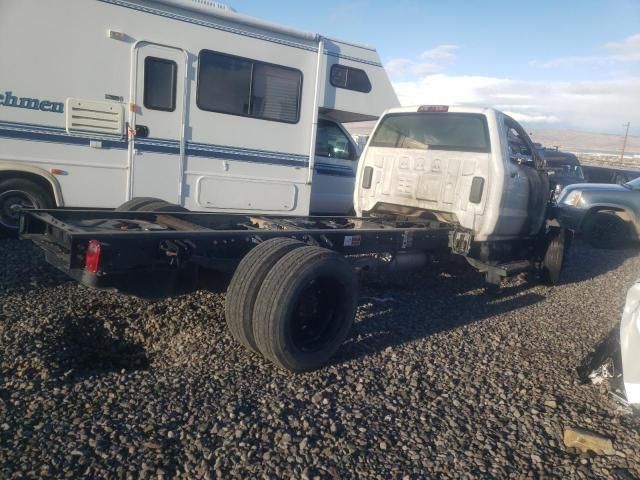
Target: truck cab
[[336, 163], [471, 166]]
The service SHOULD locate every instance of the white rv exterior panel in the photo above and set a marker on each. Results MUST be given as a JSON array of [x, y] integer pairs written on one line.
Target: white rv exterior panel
[[89, 52]]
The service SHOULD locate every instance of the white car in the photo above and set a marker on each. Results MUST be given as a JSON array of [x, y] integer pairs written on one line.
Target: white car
[[630, 344]]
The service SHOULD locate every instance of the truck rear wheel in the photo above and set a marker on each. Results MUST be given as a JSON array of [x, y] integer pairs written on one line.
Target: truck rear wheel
[[606, 230], [17, 193], [246, 283], [305, 308]]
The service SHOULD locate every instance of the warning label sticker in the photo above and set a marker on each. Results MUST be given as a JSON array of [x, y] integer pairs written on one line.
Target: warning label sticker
[[352, 240]]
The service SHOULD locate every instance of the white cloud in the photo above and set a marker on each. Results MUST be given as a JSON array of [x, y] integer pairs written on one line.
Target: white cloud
[[598, 106], [430, 61], [627, 51], [441, 53]]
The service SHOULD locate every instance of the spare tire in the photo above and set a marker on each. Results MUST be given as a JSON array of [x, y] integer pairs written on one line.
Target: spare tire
[[136, 203], [305, 308], [160, 206]]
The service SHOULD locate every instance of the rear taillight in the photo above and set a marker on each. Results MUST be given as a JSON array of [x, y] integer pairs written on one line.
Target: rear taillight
[[433, 108], [92, 256]]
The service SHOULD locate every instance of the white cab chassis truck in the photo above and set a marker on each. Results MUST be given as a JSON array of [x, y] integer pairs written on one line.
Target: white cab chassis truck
[[103, 101], [433, 180]]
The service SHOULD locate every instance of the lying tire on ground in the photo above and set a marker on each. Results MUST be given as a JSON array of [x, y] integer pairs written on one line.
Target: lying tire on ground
[[16, 193], [606, 230], [554, 256], [305, 308], [136, 203], [246, 283]]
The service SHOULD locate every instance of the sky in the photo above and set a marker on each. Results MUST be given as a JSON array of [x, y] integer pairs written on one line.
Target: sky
[[550, 64]]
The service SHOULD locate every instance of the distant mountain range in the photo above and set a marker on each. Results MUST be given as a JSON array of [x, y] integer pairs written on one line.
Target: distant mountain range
[[585, 142]]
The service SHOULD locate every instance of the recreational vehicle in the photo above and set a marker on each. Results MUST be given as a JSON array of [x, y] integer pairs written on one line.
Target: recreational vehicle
[[102, 101]]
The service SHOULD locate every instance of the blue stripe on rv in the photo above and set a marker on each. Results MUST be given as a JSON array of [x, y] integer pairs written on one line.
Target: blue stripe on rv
[[41, 133]]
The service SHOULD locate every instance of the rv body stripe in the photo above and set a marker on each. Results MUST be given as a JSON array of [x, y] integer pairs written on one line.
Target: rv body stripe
[[217, 26], [41, 133]]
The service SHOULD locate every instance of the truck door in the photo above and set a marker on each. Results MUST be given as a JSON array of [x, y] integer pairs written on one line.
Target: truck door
[[156, 149], [334, 172], [526, 188]]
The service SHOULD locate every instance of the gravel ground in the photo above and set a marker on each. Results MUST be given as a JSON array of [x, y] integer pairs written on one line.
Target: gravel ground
[[437, 380]]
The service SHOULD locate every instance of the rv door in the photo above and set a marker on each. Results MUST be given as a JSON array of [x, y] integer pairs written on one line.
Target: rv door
[[156, 151]]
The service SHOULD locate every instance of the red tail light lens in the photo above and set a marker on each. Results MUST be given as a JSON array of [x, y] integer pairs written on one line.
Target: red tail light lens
[[92, 256]]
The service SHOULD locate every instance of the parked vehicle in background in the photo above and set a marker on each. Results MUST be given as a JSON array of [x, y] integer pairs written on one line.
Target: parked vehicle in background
[[630, 345], [188, 102], [563, 168], [607, 214], [599, 174]]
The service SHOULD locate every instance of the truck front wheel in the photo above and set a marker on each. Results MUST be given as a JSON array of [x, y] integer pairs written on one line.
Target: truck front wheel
[[17, 193], [554, 256], [305, 308]]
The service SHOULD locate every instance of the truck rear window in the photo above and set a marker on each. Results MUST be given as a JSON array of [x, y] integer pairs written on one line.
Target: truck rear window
[[465, 132]]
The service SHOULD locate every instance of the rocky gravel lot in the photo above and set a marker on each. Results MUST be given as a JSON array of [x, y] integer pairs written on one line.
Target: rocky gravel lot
[[438, 380]]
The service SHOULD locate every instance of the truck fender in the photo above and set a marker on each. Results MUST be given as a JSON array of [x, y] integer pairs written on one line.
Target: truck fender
[[25, 170]]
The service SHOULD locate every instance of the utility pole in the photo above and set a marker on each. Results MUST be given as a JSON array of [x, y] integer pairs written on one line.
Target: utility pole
[[624, 143]]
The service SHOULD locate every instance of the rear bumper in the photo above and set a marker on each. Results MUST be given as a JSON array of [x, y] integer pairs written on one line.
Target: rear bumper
[[151, 282]]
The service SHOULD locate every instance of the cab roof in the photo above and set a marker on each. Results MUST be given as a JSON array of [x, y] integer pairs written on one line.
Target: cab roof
[[441, 108]]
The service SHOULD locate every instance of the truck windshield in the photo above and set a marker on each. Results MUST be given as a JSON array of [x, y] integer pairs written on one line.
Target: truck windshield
[[465, 132], [633, 184]]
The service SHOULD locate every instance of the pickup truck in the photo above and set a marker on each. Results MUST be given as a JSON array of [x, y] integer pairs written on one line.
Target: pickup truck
[[463, 181], [470, 166]]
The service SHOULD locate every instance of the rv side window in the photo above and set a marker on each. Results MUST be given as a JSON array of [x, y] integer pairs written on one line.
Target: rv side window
[[160, 84], [239, 86], [350, 78]]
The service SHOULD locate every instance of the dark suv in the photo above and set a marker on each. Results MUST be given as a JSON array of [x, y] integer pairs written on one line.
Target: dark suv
[[563, 168], [620, 176]]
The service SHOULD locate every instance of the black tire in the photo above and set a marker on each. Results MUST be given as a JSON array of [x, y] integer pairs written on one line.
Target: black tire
[[305, 308], [160, 206], [606, 230], [554, 257], [23, 192], [245, 285], [136, 203]]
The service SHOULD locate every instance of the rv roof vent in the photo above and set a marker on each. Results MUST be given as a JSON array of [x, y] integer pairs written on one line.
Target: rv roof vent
[[89, 116]]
